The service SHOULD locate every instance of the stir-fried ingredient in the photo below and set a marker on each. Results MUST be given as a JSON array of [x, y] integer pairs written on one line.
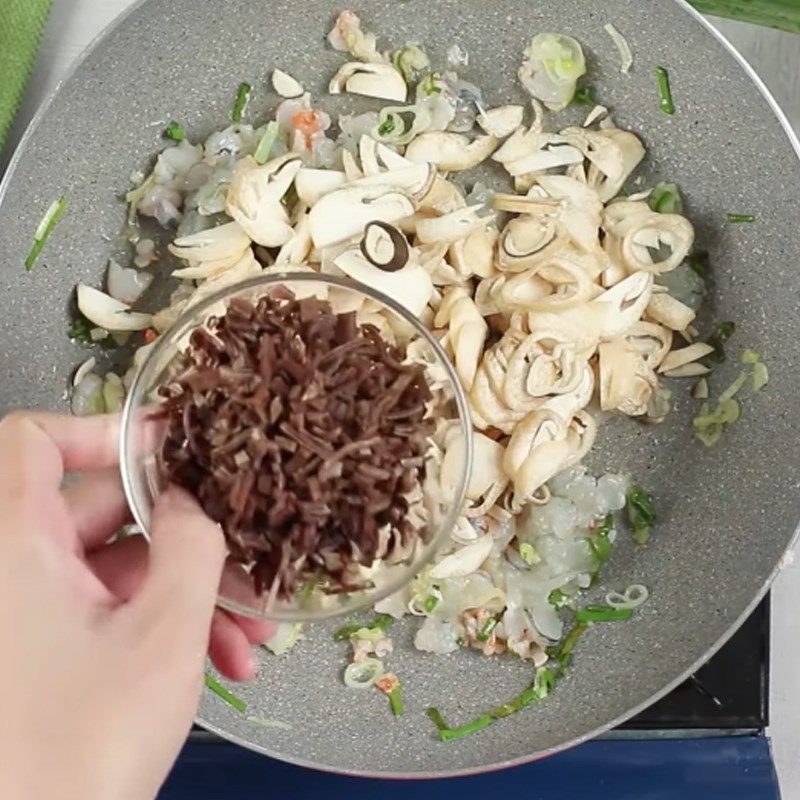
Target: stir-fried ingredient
[[242, 99], [44, 229], [175, 132], [734, 218], [721, 333], [230, 698], [665, 90], [641, 514]]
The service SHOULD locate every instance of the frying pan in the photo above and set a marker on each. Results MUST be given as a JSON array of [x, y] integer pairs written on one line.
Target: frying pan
[[726, 515]]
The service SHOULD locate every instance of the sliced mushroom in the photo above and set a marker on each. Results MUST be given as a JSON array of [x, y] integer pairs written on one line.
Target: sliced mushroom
[[442, 198], [651, 340], [465, 561], [254, 198], [416, 180], [693, 370], [385, 247], [571, 403], [684, 356], [344, 213], [351, 168], [450, 152], [668, 311], [227, 241], [519, 292], [451, 227], [286, 86], [368, 155], [110, 314], [581, 209], [627, 383], [410, 286], [528, 241], [312, 184], [474, 254], [487, 466], [371, 80], [624, 304], [538, 450], [391, 159], [201, 270], [296, 250], [502, 121], [489, 409], [467, 332]]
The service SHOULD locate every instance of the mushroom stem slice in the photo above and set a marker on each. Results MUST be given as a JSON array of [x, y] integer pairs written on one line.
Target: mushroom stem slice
[[286, 86], [451, 227], [502, 121], [372, 80], [450, 152], [684, 356], [671, 313]]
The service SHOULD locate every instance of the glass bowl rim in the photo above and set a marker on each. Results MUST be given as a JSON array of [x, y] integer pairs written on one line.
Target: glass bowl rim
[[190, 318]]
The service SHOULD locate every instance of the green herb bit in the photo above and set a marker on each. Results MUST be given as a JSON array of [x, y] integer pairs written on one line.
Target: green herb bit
[[175, 132], [242, 99], [396, 701], [641, 514], [430, 603], [437, 719], [599, 542], [527, 552], [221, 691], [739, 218], [664, 88], [562, 654], [558, 599], [700, 263], [381, 623], [448, 734], [602, 614], [760, 376], [386, 127], [666, 199], [717, 340], [81, 330], [44, 229], [585, 96], [429, 86], [750, 356], [266, 143], [487, 629]]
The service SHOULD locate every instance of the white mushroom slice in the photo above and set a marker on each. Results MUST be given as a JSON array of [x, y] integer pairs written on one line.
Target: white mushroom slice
[[465, 561], [351, 168], [110, 314], [467, 333], [286, 86], [634, 235], [391, 159], [652, 341], [442, 198], [528, 241], [581, 433], [296, 250], [582, 209], [488, 405], [312, 184], [487, 466], [684, 356], [227, 241], [201, 270], [450, 152], [571, 286], [474, 254], [537, 450], [368, 155], [502, 121], [597, 113], [612, 160], [519, 292], [668, 311], [535, 372], [410, 286], [526, 204], [569, 404], [345, 212], [253, 198], [451, 227], [624, 304], [370, 80], [627, 383], [693, 370], [416, 179], [552, 156]]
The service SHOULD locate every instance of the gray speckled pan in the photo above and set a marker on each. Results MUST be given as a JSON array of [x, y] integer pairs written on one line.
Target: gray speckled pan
[[726, 515]]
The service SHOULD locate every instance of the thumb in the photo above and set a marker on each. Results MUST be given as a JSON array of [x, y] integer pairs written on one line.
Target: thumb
[[187, 553]]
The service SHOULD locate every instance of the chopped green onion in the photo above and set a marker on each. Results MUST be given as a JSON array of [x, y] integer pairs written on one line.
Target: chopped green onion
[[602, 614], [585, 96], [437, 719], [599, 542], [666, 199], [242, 99], [430, 603], [81, 330], [700, 263], [396, 700], [175, 132], [750, 356], [486, 630], [266, 143], [386, 127], [527, 552], [717, 340], [734, 388], [221, 691], [558, 599], [709, 426], [44, 229], [737, 218], [667, 105], [429, 86], [562, 654], [448, 734], [641, 514], [381, 623], [410, 61], [760, 376]]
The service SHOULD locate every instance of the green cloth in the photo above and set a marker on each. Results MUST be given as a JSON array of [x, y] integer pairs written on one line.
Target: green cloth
[[21, 26]]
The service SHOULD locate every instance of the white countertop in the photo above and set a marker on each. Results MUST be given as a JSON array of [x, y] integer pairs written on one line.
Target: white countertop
[[776, 56]]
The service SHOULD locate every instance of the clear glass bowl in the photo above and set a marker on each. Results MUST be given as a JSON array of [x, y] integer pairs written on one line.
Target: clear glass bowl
[[443, 499]]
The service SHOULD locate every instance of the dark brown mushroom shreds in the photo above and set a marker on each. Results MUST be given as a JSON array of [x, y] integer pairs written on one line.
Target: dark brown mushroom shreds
[[303, 434]]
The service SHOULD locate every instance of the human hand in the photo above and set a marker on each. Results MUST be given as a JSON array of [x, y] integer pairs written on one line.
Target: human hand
[[102, 645]]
